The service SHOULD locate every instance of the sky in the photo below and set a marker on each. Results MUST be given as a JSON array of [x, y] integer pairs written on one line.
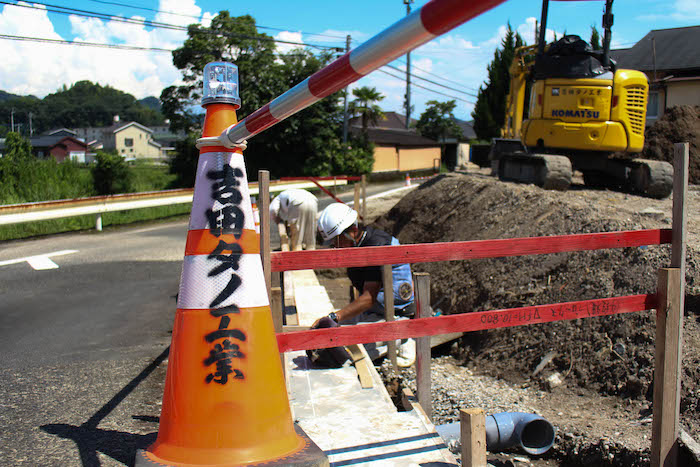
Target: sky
[[451, 66]]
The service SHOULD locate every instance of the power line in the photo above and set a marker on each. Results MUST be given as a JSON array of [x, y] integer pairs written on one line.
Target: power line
[[197, 18], [427, 89], [155, 24], [85, 44], [433, 82], [438, 76]]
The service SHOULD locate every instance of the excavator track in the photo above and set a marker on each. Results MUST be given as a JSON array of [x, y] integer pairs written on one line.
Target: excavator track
[[551, 172], [652, 178]]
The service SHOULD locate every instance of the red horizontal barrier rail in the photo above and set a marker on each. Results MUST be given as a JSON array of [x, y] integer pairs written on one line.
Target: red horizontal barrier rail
[[465, 322], [453, 251]]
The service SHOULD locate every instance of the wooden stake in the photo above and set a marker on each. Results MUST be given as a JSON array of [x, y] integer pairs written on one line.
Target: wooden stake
[[364, 197], [665, 426], [472, 424], [388, 280], [423, 379], [356, 203], [264, 210]]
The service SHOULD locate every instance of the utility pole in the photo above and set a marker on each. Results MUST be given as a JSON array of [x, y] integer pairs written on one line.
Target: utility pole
[[31, 128], [408, 72], [12, 119], [345, 114]]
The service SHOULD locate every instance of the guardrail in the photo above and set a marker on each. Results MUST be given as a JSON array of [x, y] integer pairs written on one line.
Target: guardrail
[[98, 205], [668, 301]]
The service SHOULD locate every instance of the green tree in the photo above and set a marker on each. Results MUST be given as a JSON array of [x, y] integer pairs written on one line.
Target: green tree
[[365, 106], [16, 147], [438, 121], [291, 147], [490, 109], [595, 38], [111, 174]]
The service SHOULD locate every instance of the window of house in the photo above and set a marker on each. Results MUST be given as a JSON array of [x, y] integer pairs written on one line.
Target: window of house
[[128, 142], [653, 105]]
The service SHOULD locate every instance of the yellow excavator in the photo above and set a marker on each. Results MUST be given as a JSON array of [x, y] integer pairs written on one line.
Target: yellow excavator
[[585, 114]]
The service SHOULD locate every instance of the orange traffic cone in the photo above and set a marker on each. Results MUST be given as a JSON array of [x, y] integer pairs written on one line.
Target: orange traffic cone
[[225, 399], [408, 180]]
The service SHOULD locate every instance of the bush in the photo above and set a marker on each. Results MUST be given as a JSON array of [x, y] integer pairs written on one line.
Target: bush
[[111, 175], [26, 180]]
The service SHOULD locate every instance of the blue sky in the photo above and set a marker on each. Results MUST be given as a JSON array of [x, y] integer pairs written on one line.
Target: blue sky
[[456, 60]]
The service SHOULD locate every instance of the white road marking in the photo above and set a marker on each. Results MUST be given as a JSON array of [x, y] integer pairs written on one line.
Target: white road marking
[[39, 262]]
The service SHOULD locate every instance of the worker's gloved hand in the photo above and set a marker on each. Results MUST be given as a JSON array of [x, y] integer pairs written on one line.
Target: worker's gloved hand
[[334, 357]]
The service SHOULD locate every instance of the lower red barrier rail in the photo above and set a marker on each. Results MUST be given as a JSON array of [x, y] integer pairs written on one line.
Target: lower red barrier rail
[[475, 321]]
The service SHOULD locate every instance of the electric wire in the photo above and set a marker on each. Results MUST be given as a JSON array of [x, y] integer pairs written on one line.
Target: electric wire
[[155, 10], [427, 89], [433, 82], [156, 24]]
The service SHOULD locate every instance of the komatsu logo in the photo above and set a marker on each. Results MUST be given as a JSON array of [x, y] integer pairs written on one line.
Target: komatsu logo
[[575, 113]]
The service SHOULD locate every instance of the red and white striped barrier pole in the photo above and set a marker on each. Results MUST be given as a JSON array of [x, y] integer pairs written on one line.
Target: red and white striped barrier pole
[[433, 19]]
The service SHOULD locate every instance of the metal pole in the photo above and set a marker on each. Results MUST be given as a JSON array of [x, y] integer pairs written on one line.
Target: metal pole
[[408, 73], [541, 41], [345, 111]]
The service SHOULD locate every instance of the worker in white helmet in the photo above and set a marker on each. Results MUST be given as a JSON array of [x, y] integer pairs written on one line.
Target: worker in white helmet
[[338, 226], [297, 210]]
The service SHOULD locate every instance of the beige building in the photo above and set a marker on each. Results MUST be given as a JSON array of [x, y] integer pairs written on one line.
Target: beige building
[[671, 60], [397, 149], [131, 140]]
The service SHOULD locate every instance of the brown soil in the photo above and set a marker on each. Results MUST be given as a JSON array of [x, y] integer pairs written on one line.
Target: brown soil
[[678, 125], [603, 407]]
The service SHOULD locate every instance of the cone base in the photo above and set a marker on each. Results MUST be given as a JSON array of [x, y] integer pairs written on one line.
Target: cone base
[[308, 456]]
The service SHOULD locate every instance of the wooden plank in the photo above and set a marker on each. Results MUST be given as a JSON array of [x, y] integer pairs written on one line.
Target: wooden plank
[[453, 251], [388, 284], [423, 378], [276, 307], [475, 321], [680, 213], [360, 362], [472, 425], [667, 371], [264, 210]]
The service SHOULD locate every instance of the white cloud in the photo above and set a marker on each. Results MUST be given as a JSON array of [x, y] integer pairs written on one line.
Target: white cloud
[[40, 68], [287, 36]]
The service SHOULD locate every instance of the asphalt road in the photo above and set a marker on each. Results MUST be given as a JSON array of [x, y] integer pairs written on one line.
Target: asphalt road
[[85, 322]]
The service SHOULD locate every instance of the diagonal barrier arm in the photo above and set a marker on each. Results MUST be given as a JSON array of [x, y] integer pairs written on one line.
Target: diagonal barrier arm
[[432, 20]]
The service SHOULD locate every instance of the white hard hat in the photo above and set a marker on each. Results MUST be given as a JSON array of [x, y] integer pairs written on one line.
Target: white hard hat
[[335, 219]]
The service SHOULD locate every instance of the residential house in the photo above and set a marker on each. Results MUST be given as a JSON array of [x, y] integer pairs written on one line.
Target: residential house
[[396, 148], [671, 60], [129, 139]]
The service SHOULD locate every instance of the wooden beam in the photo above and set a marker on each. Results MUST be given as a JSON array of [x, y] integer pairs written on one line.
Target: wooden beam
[[472, 426], [667, 372], [356, 199], [264, 210], [423, 378], [474, 321], [452, 251], [388, 284]]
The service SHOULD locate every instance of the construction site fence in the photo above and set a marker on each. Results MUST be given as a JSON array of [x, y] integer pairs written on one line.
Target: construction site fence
[[668, 301]]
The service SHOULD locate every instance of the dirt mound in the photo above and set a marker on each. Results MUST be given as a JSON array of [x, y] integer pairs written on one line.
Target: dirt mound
[[678, 124], [612, 355]]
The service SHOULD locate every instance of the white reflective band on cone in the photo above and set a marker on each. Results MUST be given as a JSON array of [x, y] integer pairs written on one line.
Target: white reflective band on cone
[[198, 290], [203, 200]]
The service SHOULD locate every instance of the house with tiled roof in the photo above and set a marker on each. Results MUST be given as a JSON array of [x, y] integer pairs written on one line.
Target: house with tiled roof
[[671, 60]]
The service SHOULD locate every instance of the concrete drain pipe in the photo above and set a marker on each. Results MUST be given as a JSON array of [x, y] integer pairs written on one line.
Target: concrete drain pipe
[[532, 433]]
